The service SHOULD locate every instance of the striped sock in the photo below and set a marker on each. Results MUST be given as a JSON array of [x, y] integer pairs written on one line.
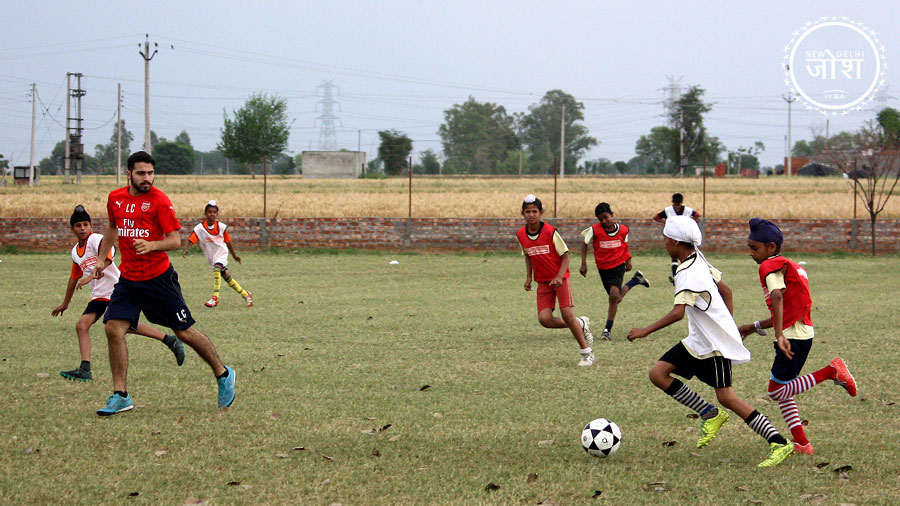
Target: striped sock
[[217, 282], [781, 392], [683, 394], [237, 287], [760, 424], [791, 416]]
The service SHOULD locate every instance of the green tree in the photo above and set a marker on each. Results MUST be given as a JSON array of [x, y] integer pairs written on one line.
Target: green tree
[[659, 149], [53, 164], [621, 167], [429, 162], [697, 144], [394, 151], [174, 158], [258, 130], [476, 137], [105, 154], [283, 164], [889, 120], [183, 138], [640, 165], [540, 130], [747, 158]]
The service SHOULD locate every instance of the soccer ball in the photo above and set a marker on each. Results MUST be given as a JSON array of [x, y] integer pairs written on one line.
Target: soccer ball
[[601, 438]]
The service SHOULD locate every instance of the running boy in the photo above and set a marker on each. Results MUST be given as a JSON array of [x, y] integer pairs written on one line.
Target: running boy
[[84, 258], [712, 344], [215, 241], [786, 289], [610, 242], [676, 209], [547, 262]]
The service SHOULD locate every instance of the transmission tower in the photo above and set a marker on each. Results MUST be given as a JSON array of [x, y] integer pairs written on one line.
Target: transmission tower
[[881, 100], [671, 94], [327, 136]]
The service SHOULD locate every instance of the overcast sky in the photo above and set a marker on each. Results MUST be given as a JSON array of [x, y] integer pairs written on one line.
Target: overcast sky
[[400, 64]]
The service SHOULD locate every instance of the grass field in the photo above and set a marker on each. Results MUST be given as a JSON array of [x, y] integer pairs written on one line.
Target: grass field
[[332, 365], [288, 196]]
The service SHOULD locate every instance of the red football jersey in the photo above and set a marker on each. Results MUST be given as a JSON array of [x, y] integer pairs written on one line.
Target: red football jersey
[[610, 250], [149, 216], [545, 261], [797, 301]]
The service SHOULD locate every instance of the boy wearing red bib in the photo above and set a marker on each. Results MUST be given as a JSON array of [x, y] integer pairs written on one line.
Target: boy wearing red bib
[[547, 262], [610, 242], [786, 287]]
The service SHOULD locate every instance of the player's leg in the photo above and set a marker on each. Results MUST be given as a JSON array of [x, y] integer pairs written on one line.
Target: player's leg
[[237, 287], [118, 352], [785, 382], [170, 340], [613, 300], [82, 330], [578, 325], [779, 448], [225, 375], [217, 284], [546, 303]]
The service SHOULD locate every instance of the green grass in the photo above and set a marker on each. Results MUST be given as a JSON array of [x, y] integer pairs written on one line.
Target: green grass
[[339, 344]]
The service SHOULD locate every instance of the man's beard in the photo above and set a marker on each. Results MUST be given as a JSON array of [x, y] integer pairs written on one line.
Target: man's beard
[[138, 189]]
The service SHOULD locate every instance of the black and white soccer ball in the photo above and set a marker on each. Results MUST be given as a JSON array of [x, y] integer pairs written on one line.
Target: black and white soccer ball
[[601, 438]]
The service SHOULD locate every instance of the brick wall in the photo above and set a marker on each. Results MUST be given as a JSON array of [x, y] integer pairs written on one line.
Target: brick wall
[[53, 234]]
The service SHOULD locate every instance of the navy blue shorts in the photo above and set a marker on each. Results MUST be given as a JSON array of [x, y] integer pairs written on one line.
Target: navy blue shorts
[[159, 299], [715, 371], [612, 277], [97, 307], [783, 369]]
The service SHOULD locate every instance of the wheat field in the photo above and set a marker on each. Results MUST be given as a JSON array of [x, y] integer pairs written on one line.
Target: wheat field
[[452, 197]]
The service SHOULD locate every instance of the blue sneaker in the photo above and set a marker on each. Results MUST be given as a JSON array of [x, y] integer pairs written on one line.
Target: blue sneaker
[[116, 404], [226, 388]]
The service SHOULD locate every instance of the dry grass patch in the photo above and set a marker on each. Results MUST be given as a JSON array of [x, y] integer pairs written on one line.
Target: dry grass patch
[[290, 196]]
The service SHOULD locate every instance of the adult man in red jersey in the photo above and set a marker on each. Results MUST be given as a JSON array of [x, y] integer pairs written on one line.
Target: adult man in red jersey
[[143, 220]]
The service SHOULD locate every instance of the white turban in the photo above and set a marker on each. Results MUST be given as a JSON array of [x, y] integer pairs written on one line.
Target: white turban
[[683, 229]]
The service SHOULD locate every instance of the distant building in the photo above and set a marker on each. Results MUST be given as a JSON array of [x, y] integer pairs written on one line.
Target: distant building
[[333, 164]]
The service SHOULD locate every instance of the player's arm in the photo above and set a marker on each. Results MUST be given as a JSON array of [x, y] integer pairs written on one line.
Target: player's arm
[[675, 315], [563, 267], [583, 269], [659, 219], [171, 241], [528, 272], [70, 289], [233, 254], [110, 236], [696, 216], [192, 239], [778, 321], [727, 296]]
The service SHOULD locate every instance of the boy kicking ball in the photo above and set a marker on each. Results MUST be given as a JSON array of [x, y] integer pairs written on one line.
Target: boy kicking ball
[[712, 344], [786, 288], [610, 242], [547, 262]]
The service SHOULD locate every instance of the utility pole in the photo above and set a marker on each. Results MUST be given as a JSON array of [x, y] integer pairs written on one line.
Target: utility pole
[[681, 160], [119, 137], [790, 100], [67, 155], [358, 147], [74, 146], [33, 117], [145, 54], [562, 144]]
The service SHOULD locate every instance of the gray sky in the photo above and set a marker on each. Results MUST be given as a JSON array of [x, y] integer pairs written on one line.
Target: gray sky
[[400, 64]]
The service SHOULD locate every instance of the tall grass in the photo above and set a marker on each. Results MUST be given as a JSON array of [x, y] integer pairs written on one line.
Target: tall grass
[[288, 196]]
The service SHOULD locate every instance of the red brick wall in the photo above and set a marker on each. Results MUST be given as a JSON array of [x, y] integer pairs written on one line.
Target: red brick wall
[[54, 234]]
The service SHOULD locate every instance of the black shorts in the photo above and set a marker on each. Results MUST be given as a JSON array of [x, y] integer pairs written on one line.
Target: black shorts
[[159, 299], [97, 307], [715, 371], [612, 277], [784, 369]]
